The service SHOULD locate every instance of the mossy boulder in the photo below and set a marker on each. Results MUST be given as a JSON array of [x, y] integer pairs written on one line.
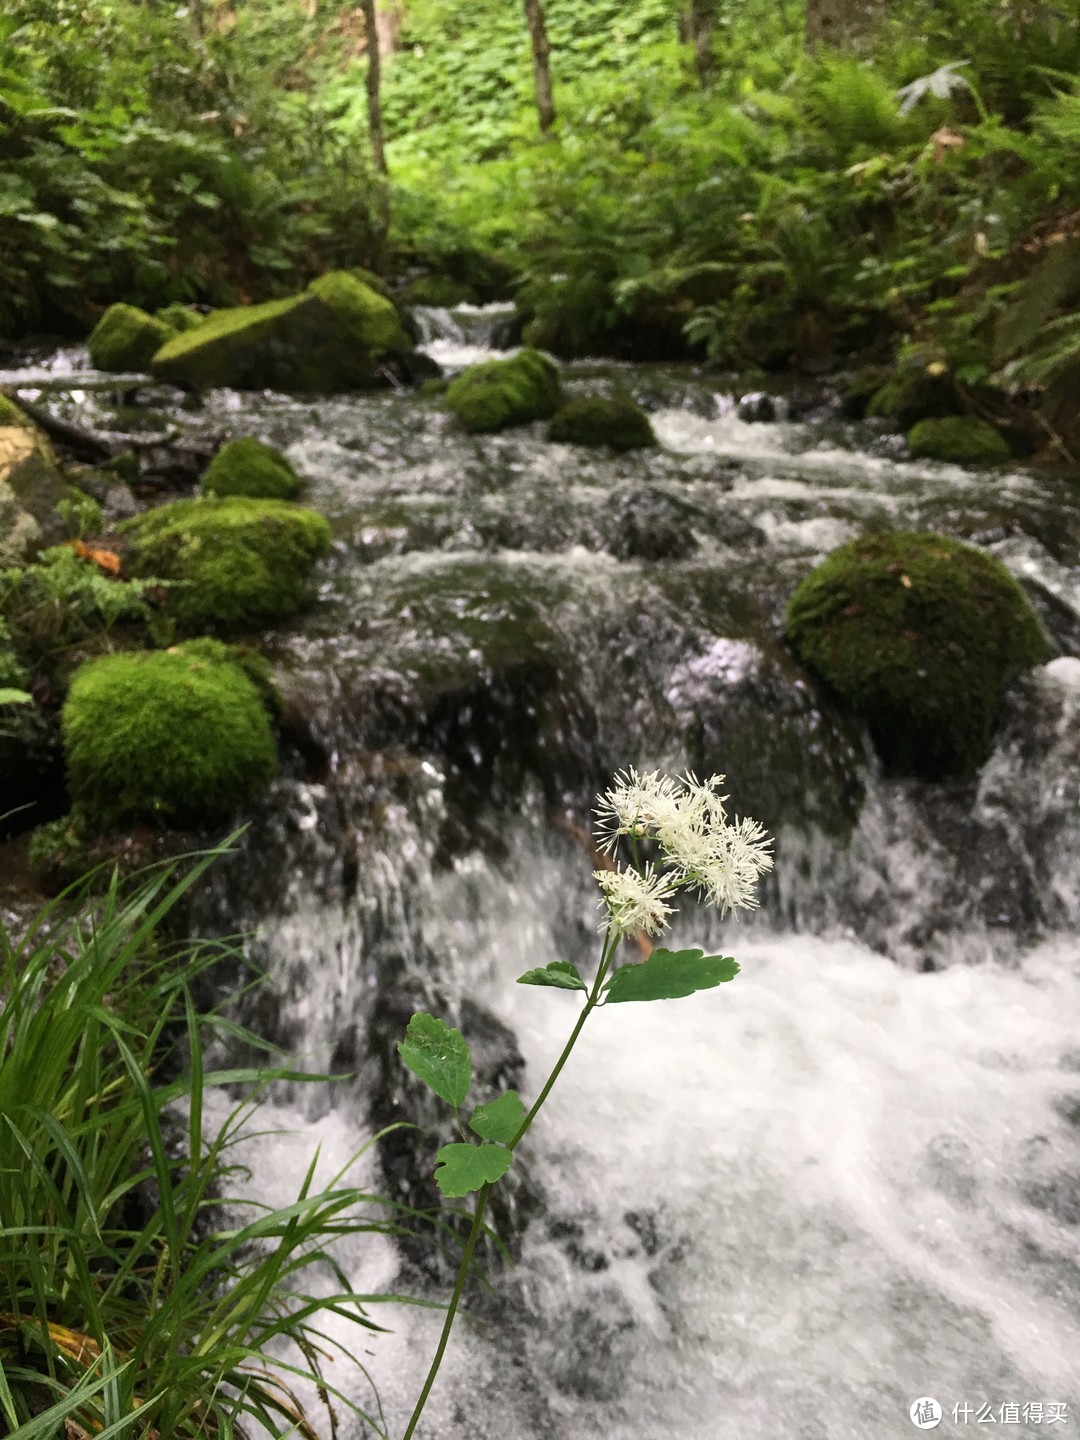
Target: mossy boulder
[[127, 338], [300, 346], [962, 439], [31, 488], [248, 467], [918, 635], [372, 318], [913, 395], [601, 420], [239, 562], [179, 318], [175, 737], [499, 393]]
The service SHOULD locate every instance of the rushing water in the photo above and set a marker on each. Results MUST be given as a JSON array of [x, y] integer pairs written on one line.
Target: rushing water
[[786, 1209]]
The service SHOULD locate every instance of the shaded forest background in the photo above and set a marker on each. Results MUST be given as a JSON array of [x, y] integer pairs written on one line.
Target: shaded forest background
[[757, 183]]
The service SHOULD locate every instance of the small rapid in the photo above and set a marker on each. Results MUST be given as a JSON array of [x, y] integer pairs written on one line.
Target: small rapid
[[786, 1209]]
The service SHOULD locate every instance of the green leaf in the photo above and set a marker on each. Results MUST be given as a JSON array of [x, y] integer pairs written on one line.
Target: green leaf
[[500, 1120], [560, 974], [669, 975], [15, 697], [439, 1056], [460, 1169]]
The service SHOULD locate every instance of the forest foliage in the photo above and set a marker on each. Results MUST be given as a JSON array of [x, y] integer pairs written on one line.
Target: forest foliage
[[913, 193]]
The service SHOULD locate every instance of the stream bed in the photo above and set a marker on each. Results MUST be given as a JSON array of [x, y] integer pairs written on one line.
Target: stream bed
[[786, 1209]]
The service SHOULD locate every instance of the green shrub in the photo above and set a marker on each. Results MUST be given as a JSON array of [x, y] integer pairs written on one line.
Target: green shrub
[[132, 1303], [248, 467], [963, 439], [499, 393], [598, 420], [918, 635], [173, 736], [126, 338], [240, 562]]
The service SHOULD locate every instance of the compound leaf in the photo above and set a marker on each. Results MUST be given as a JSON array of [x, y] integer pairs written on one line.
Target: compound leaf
[[460, 1169], [439, 1056], [560, 974], [500, 1120], [669, 975]]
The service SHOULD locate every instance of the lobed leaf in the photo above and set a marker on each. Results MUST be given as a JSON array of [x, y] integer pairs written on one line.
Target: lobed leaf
[[560, 975], [669, 975], [460, 1169], [439, 1056], [501, 1119]]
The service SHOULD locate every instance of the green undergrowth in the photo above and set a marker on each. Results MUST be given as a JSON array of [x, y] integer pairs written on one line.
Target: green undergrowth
[[134, 1301], [918, 635]]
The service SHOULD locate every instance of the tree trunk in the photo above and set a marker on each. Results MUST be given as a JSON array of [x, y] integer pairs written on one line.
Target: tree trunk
[[697, 28], [541, 53], [374, 78], [840, 23]]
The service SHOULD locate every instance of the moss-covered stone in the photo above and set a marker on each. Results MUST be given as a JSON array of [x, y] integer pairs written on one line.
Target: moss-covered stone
[[439, 291], [918, 634], [179, 318], [372, 318], [963, 439], [241, 562], [171, 736], [300, 346], [126, 338], [371, 280], [599, 420], [499, 393], [31, 488], [248, 467], [913, 395]]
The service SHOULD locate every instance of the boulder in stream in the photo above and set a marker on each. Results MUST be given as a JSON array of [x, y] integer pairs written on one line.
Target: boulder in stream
[[961, 439], [331, 338], [248, 467], [617, 421], [499, 393], [166, 736], [238, 562], [918, 635], [127, 338]]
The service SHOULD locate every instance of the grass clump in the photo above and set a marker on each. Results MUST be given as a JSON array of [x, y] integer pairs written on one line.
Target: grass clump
[[918, 635], [601, 420], [127, 338], [499, 393], [170, 736], [133, 1302], [241, 562], [248, 467], [961, 439]]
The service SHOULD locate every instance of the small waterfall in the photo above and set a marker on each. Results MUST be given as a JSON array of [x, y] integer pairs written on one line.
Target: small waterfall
[[465, 334]]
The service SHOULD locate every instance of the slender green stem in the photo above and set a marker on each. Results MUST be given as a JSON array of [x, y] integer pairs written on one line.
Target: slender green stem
[[448, 1323]]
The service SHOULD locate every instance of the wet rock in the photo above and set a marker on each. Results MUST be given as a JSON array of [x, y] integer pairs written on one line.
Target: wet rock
[[756, 408], [962, 439], [501, 393], [648, 524], [249, 467], [31, 487], [590, 1354], [616, 421], [411, 367], [127, 338]]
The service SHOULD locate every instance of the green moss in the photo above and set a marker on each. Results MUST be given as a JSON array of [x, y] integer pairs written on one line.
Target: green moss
[[126, 338], [299, 346], [248, 467], [371, 280], [598, 420], [963, 439], [242, 562], [918, 634], [10, 414], [501, 393], [372, 318], [172, 736], [913, 395], [179, 318]]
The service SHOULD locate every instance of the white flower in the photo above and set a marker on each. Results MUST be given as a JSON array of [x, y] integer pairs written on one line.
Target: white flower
[[636, 901], [635, 805], [728, 871]]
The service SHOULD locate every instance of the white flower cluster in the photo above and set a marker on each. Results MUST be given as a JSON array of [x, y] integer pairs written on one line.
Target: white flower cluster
[[698, 846]]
